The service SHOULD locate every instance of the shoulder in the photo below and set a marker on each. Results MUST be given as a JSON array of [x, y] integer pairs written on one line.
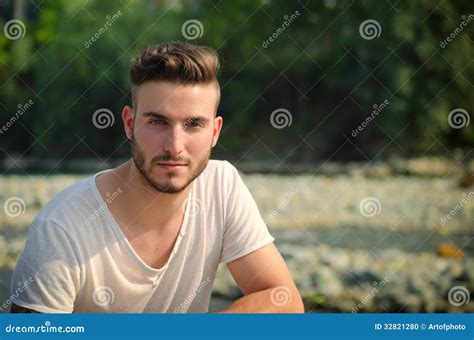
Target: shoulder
[[219, 175], [219, 165], [68, 206], [220, 169]]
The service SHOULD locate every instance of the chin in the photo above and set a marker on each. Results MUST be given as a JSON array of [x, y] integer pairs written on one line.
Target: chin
[[172, 185], [171, 189]]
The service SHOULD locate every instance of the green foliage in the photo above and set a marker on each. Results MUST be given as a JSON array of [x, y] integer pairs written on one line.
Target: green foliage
[[319, 68], [317, 299]]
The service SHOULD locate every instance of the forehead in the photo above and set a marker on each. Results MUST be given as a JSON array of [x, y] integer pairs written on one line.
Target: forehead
[[176, 100]]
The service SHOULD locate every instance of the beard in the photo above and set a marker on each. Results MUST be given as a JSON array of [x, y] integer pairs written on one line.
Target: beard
[[165, 185]]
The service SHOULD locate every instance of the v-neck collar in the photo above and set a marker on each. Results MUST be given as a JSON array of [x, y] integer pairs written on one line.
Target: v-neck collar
[[121, 236]]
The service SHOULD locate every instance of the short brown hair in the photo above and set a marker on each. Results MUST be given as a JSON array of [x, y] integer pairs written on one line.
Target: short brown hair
[[179, 62]]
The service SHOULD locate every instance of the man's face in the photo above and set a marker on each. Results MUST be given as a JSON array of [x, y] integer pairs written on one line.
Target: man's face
[[172, 132]]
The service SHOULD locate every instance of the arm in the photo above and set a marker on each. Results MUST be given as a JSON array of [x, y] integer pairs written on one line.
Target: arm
[[265, 281], [47, 272], [18, 309]]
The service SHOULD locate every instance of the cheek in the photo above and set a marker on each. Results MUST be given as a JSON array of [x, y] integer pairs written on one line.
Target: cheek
[[199, 145], [149, 140]]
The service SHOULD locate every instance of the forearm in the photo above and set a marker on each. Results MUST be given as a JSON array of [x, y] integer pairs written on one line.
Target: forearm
[[18, 309], [267, 301]]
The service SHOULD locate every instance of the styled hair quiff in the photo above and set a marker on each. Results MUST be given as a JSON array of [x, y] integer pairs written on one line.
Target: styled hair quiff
[[178, 62]]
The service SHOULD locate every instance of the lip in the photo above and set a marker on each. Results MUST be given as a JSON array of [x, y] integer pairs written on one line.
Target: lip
[[172, 165]]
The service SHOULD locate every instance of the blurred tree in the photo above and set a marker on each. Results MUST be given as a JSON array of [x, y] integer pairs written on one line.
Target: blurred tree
[[306, 57]]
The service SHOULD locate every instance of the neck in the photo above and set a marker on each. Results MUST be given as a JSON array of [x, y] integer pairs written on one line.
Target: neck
[[147, 201]]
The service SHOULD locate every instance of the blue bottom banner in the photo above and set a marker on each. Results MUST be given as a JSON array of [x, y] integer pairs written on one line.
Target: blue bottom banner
[[237, 326]]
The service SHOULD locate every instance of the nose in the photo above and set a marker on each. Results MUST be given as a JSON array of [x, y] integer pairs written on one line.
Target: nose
[[174, 142]]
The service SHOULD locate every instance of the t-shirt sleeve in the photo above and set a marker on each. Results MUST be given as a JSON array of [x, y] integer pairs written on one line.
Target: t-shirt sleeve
[[47, 275], [245, 230]]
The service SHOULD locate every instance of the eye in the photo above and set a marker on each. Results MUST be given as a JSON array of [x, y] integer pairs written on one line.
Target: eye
[[157, 121], [193, 123]]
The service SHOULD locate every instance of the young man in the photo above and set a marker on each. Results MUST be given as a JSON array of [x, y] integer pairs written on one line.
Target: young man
[[149, 235]]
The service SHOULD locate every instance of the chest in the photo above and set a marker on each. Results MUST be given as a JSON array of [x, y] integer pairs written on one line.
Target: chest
[[154, 248]]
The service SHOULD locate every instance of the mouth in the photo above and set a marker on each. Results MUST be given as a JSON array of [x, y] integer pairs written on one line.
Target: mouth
[[172, 165]]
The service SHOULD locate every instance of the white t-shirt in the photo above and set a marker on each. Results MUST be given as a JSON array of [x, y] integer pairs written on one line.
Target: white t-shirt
[[78, 259]]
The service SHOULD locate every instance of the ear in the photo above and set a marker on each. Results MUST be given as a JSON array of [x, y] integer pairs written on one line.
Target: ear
[[128, 117], [217, 129]]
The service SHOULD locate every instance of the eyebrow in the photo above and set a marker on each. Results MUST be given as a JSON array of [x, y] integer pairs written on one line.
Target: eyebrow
[[158, 115]]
